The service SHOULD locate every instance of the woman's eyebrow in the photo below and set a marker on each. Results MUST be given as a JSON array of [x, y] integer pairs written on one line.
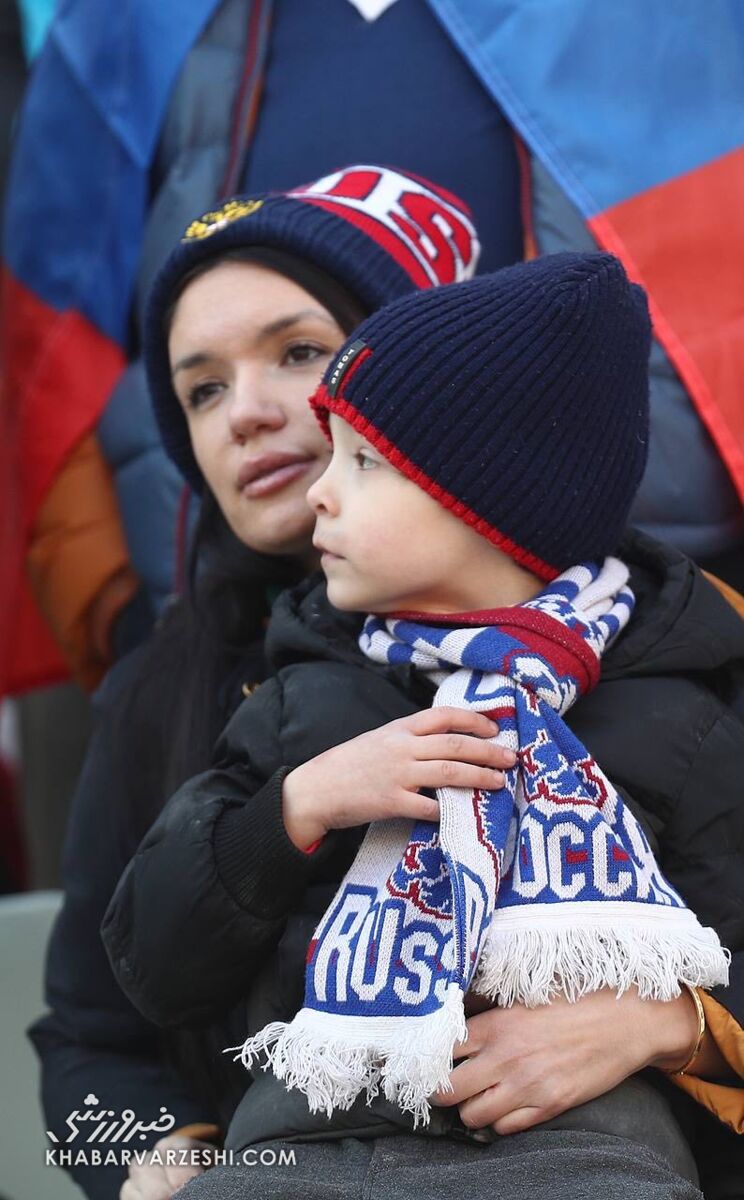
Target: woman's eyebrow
[[285, 322], [191, 360], [267, 331]]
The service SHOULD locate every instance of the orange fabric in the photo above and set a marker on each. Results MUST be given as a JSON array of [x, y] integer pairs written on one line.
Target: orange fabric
[[725, 1101], [78, 563], [684, 241], [735, 599], [58, 371]]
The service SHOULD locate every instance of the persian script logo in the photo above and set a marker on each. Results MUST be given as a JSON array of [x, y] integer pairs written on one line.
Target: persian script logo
[[122, 1129]]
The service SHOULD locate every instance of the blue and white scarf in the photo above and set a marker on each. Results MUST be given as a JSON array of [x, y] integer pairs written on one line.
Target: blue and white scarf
[[546, 886]]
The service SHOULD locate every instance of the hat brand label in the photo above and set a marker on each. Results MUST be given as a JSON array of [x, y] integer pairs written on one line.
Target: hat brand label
[[343, 364]]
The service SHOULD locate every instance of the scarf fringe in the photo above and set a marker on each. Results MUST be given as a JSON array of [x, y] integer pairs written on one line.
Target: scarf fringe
[[333, 1059], [531, 965]]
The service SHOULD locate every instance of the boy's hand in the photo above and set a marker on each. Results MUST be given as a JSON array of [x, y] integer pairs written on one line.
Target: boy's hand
[[378, 775]]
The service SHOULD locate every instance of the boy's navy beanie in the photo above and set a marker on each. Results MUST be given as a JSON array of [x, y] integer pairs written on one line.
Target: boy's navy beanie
[[518, 400], [377, 232]]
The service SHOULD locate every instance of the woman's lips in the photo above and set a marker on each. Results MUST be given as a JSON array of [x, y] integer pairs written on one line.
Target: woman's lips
[[273, 476]]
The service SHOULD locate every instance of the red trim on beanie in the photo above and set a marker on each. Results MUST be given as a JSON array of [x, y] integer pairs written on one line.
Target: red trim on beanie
[[321, 402]]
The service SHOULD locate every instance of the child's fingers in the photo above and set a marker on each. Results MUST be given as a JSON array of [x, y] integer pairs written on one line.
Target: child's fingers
[[417, 808], [463, 748], [446, 718], [452, 774]]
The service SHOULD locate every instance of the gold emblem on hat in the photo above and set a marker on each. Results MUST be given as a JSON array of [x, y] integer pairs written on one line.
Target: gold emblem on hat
[[212, 221]]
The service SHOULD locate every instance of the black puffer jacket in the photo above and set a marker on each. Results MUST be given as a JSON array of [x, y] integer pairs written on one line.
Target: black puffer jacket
[[218, 906]]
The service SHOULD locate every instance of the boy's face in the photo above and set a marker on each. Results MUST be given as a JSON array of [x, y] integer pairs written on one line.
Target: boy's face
[[387, 546]]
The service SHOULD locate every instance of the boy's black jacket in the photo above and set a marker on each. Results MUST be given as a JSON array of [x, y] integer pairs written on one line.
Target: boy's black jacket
[[210, 922]]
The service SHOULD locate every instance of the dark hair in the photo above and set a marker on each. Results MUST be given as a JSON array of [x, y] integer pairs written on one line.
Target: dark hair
[[337, 299], [206, 645], [180, 698]]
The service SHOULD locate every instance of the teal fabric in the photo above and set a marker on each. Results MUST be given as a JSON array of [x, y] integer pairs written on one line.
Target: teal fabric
[[35, 17]]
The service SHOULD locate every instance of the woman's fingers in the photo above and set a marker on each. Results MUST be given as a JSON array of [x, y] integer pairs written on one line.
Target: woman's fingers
[[496, 1107], [506, 1103], [149, 1183], [468, 1079], [161, 1179], [519, 1120], [525, 1066]]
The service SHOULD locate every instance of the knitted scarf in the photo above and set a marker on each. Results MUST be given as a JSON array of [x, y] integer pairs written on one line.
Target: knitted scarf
[[546, 886]]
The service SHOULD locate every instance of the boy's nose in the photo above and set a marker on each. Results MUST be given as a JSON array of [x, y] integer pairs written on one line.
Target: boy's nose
[[320, 495]]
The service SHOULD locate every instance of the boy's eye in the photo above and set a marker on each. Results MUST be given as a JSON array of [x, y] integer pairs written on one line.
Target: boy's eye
[[201, 394], [364, 460], [304, 352]]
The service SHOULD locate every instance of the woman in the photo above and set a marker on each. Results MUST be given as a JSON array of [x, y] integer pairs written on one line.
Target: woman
[[298, 274], [548, 1072], [193, 675]]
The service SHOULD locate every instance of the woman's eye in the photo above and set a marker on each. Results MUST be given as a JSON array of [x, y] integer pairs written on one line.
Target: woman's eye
[[201, 394], [304, 352], [364, 460]]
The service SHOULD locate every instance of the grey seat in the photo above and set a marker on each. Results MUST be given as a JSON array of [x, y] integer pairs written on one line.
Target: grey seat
[[25, 922]]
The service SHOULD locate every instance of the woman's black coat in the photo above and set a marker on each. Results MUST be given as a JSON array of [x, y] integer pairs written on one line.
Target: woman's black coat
[[218, 906], [669, 679]]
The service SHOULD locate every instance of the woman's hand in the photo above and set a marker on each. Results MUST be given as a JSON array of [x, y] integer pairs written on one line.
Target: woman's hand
[[378, 774], [161, 1180], [523, 1065]]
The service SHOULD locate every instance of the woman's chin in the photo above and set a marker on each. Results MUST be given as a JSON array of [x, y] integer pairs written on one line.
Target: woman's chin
[[275, 534]]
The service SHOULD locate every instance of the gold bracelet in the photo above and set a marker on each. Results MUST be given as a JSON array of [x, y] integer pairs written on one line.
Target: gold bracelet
[[700, 1034]]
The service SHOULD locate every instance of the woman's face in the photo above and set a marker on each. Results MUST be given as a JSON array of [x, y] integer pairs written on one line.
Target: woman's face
[[247, 347]]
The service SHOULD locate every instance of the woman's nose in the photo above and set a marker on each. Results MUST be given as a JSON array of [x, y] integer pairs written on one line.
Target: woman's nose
[[253, 408]]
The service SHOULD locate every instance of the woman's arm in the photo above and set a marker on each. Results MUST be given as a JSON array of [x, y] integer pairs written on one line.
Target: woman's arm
[[716, 1078], [526, 1065], [208, 892], [92, 1041]]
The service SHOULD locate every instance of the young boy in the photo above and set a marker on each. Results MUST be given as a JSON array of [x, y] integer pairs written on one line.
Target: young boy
[[488, 440]]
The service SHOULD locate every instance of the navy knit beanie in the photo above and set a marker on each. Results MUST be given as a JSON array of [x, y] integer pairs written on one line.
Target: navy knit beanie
[[379, 232], [518, 400]]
